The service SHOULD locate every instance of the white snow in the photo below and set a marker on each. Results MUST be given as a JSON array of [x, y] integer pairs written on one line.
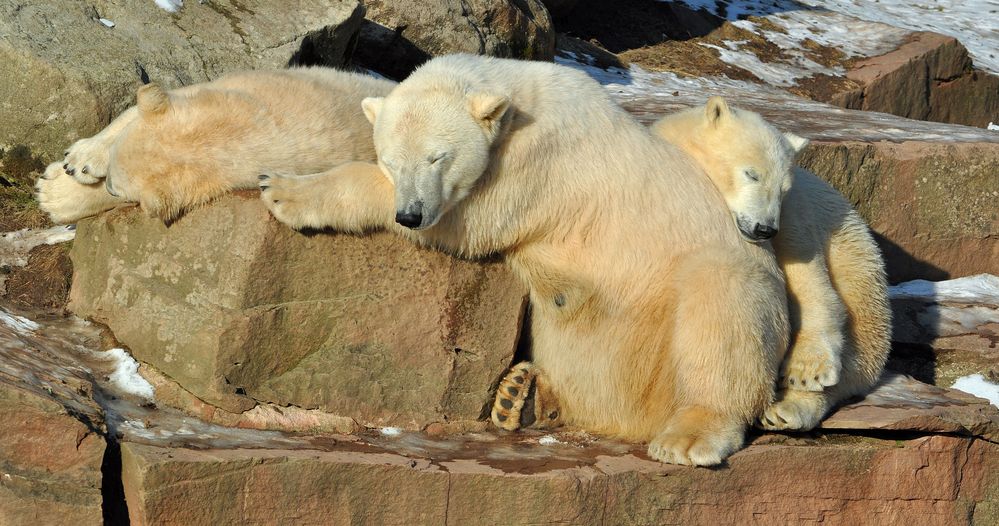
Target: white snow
[[982, 288], [549, 440], [126, 375], [977, 385], [18, 323], [14, 246], [170, 5], [975, 23], [993, 127], [391, 431]]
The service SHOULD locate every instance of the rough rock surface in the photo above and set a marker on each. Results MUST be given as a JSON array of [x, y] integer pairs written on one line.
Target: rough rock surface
[[779, 480], [929, 77], [52, 435], [239, 309], [399, 35], [64, 74]]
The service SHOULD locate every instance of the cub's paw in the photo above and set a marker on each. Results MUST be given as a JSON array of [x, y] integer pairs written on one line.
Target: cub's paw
[[696, 438], [87, 160], [289, 200], [513, 407], [813, 363], [65, 200], [794, 411]]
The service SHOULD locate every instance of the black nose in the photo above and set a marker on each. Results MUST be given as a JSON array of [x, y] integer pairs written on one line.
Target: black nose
[[764, 232], [409, 219]]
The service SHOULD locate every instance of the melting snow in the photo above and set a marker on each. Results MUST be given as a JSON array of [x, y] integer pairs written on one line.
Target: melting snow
[[549, 440], [126, 375], [170, 5], [18, 323], [994, 127], [977, 385], [391, 431], [983, 288]]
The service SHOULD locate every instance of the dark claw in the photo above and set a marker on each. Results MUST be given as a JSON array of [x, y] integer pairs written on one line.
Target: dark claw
[[71, 171], [65, 166], [263, 187], [768, 421], [791, 381], [65, 153], [263, 177], [86, 169]]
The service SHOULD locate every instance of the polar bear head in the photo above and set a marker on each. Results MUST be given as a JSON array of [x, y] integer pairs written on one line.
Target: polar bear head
[[747, 159], [433, 143]]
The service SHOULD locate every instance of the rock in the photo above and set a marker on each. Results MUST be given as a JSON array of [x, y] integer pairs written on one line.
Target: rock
[[559, 8], [929, 77], [516, 480], [61, 66], [52, 440], [239, 310], [928, 190], [399, 35], [900, 403], [957, 314]]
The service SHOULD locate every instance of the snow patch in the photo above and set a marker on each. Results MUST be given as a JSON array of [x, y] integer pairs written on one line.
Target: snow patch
[[549, 440], [126, 377], [18, 323], [391, 431], [977, 385], [993, 127], [982, 288], [170, 5]]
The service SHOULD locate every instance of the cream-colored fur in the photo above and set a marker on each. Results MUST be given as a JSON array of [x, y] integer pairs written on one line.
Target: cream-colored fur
[[836, 283], [652, 319], [178, 149]]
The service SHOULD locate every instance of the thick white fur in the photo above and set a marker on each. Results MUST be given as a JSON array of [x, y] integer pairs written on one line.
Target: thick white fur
[[178, 149], [652, 319], [836, 283]]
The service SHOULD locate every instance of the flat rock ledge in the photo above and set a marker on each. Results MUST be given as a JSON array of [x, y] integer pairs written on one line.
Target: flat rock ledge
[[232, 309]]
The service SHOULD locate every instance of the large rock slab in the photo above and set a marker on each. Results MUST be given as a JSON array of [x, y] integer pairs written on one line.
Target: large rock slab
[[960, 314], [52, 440], [399, 35], [62, 66], [239, 310], [928, 190], [567, 480]]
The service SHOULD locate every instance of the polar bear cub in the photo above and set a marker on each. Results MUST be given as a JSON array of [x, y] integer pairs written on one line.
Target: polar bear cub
[[837, 290]]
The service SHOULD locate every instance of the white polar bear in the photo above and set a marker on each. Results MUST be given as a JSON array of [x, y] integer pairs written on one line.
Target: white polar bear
[[652, 319], [837, 290]]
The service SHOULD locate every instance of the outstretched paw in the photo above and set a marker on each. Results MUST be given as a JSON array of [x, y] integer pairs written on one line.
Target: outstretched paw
[[87, 160], [289, 200], [697, 437], [813, 363], [510, 408], [65, 200], [794, 411]]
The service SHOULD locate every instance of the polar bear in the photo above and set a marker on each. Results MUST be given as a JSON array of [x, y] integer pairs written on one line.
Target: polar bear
[[652, 320], [836, 283], [175, 150]]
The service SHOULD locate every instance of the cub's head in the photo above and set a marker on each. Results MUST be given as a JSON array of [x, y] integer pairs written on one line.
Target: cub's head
[[434, 145], [747, 159]]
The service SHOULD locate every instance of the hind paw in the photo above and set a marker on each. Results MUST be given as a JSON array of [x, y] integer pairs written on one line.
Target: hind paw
[[813, 363], [510, 408]]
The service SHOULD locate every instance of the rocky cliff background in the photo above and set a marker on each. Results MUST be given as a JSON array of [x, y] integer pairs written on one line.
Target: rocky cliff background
[[267, 376]]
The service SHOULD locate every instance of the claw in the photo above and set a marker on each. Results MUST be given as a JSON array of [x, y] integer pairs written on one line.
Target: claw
[[263, 177], [86, 169]]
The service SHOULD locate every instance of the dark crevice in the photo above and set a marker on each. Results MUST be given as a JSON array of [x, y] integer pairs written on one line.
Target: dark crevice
[[113, 506]]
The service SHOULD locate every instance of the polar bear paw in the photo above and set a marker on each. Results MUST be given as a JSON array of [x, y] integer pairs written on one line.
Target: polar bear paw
[[813, 363], [697, 437], [513, 407], [87, 160], [794, 411], [289, 200], [65, 200]]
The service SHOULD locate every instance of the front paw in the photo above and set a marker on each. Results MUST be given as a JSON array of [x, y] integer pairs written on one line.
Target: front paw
[[60, 196], [697, 437], [794, 411], [813, 362], [87, 160], [287, 201]]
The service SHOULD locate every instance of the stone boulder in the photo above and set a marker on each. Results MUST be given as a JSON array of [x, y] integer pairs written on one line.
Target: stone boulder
[[399, 35], [239, 310], [74, 65]]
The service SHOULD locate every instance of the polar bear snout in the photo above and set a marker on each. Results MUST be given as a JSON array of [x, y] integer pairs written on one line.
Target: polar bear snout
[[410, 217], [755, 231]]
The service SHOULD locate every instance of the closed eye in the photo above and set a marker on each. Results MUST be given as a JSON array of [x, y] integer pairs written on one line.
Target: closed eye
[[753, 176], [437, 158]]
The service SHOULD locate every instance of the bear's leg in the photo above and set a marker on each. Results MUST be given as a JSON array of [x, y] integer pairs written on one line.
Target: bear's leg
[[88, 160], [352, 197], [728, 337], [818, 319], [523, 399], [65, 200]]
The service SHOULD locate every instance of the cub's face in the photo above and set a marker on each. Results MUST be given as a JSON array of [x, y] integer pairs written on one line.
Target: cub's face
[[754, 175], [433, 146]]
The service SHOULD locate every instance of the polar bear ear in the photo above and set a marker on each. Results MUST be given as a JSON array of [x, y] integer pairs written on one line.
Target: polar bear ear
[[797, 143], [372, 106], [715, 110], [152, 100], [487, 109]]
